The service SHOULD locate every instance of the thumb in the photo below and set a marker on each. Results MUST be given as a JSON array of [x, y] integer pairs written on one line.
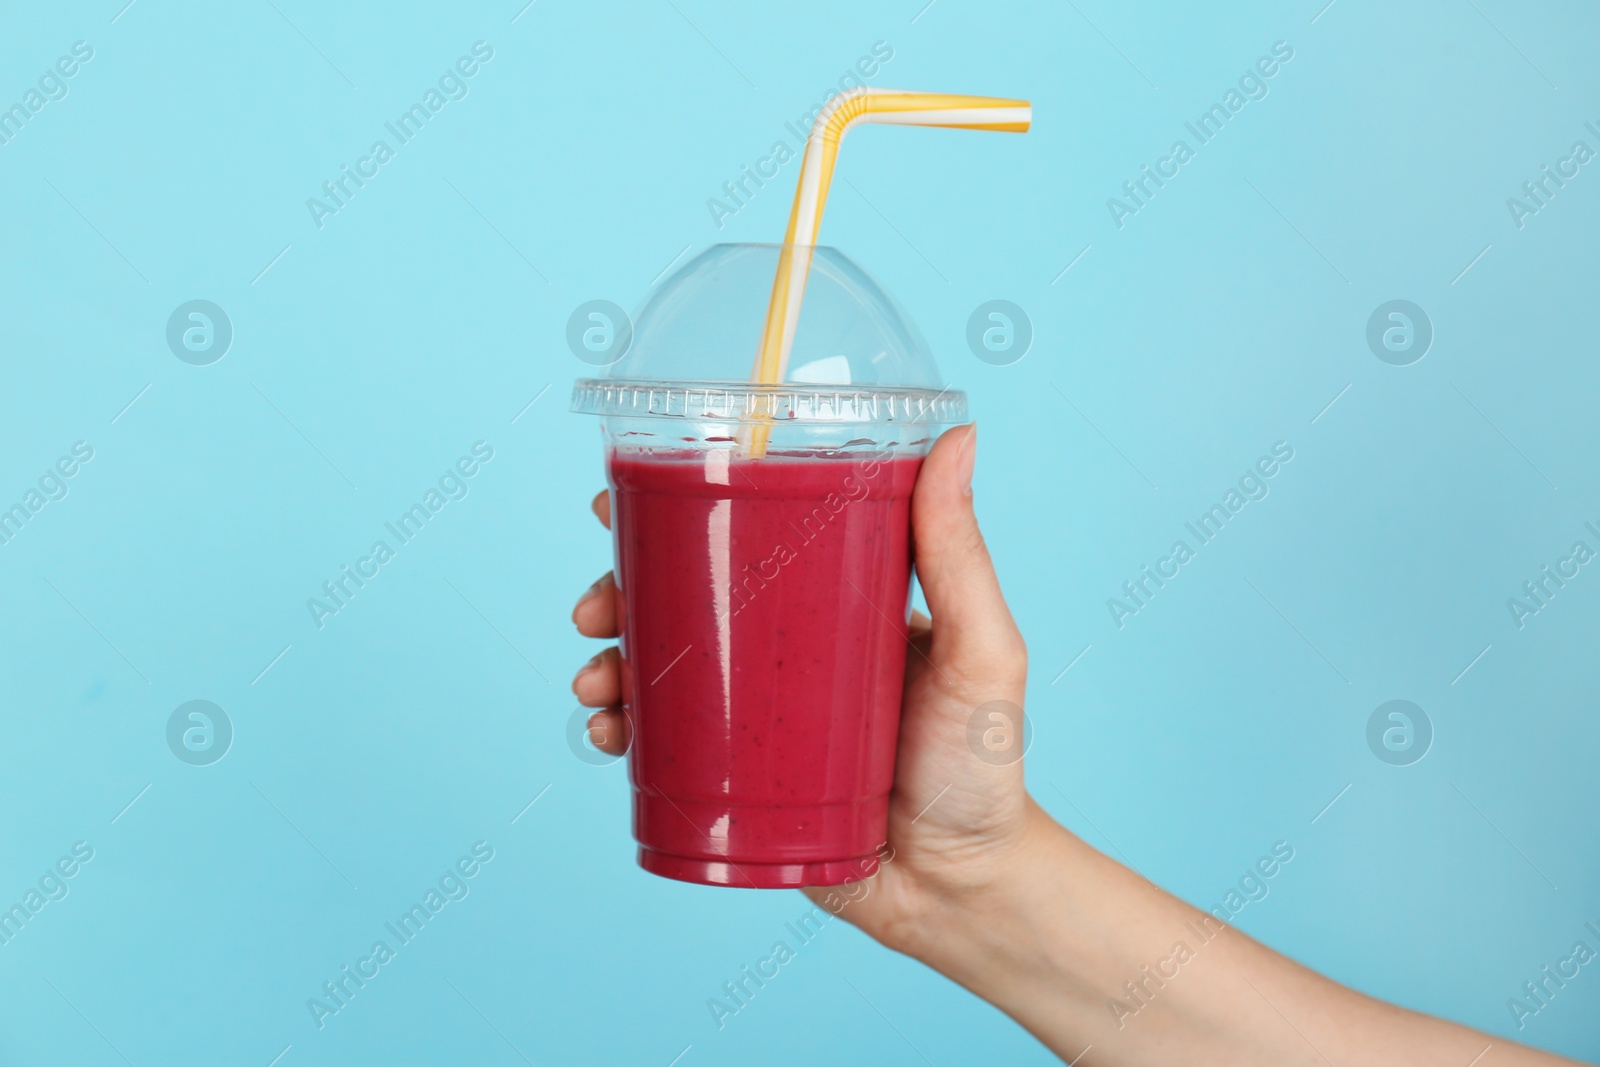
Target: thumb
[[974, 636]]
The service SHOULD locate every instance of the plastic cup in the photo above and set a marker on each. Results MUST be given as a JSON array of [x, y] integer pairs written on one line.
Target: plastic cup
[[765, 600]]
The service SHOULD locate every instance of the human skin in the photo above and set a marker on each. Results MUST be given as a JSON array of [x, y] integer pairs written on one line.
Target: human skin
[[987, 889]]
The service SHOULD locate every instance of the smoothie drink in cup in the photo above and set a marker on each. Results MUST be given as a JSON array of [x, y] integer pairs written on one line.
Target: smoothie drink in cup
[[762, 526], [766, 640], [764, 600]]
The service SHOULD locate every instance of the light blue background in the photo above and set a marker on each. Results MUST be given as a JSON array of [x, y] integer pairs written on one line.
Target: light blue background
[[427, 714]]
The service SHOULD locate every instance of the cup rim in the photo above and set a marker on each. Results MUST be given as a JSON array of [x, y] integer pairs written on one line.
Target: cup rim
[[755, 402]]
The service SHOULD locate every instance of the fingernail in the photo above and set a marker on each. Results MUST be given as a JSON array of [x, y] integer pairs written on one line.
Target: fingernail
[[588, 595], [968, 458], [583, 671]]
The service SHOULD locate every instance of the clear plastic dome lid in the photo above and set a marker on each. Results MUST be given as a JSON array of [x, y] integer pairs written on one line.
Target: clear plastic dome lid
[[856, 356]]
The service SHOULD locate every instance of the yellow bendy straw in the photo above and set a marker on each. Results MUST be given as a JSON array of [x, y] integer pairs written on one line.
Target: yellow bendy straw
[[892, 106]]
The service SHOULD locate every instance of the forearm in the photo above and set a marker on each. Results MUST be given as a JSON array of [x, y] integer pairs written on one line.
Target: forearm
[[1086, 954]]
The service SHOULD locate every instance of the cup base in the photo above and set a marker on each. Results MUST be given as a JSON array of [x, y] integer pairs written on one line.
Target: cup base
[[757, 875]]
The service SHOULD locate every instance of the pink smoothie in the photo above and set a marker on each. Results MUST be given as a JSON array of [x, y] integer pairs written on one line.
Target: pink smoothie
[[764, 636]]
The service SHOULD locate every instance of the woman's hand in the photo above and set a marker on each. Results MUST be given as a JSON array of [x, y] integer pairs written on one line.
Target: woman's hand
[[954, 818]]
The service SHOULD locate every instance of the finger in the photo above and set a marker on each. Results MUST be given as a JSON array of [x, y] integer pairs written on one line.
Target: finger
[[974, 632], [610, 731], [601, 506], [596, 612], [598, 683], [920, 623]]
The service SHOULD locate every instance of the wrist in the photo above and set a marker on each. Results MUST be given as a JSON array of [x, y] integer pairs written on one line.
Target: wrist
[[1023, 930], [1051, 938]]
